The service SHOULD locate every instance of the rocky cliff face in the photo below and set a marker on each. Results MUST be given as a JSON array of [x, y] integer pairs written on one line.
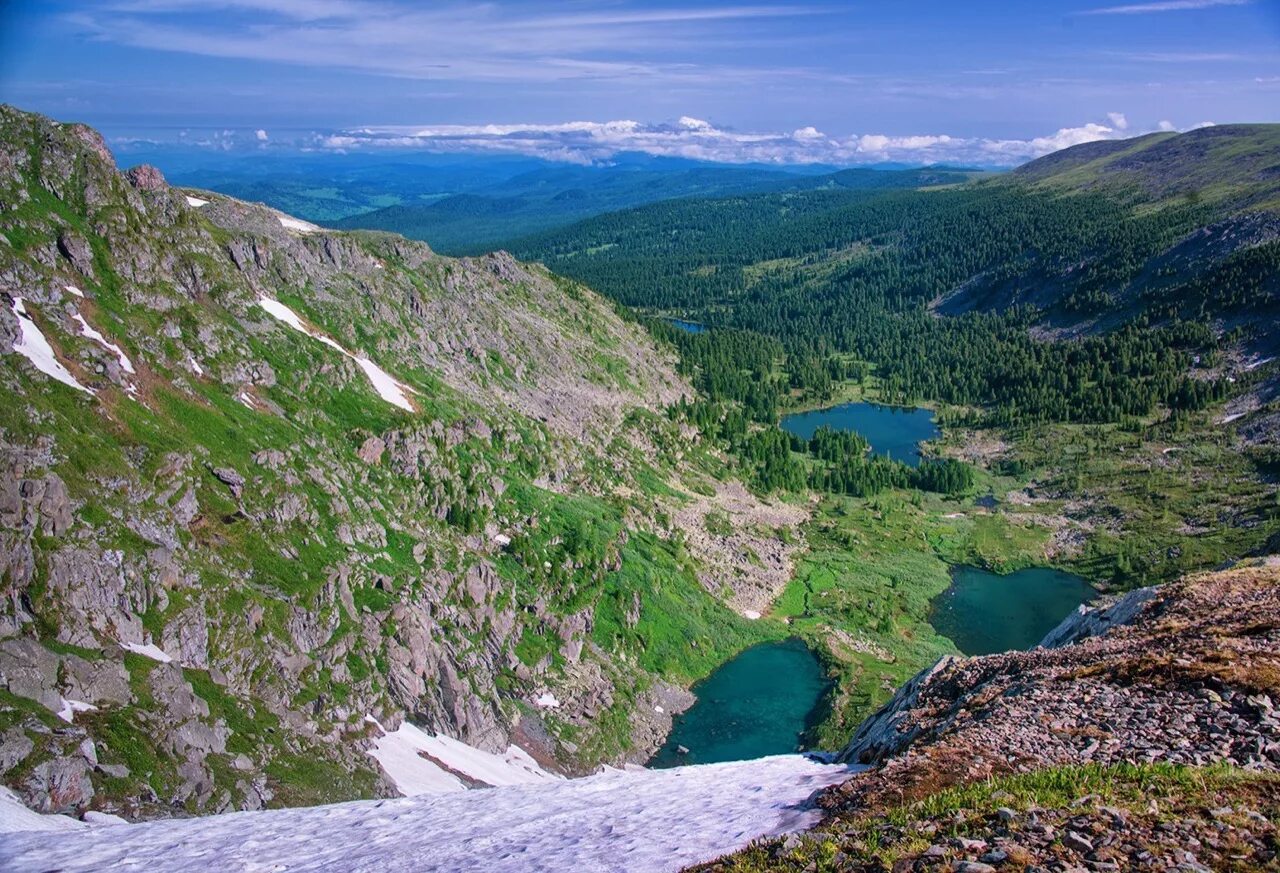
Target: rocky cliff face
[[259, 480]]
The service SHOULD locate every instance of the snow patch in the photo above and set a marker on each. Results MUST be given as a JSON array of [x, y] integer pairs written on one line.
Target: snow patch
[[246, 399], [625, 821], [195, 366], [547, 701], [88, 330], [297, 224], [72, 289], [148, 650], [70, 707], [1233, 416], [388, 388], [751, 614], [400, 752], [196, 201], [94, 817], [33, 346], [1258, 363], [16, 816]]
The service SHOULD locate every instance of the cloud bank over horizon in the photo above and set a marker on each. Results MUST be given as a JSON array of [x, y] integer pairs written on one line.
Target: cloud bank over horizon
[[594, 142]]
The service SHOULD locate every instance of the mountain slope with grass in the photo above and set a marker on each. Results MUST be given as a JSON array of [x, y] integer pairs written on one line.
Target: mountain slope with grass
[[268, 493]]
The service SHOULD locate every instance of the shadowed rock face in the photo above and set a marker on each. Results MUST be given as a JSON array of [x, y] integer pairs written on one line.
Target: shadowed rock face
[[220, 563]]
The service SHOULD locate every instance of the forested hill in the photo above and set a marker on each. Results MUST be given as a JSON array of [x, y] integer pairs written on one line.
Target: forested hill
[[1154, 247], [551, 198]]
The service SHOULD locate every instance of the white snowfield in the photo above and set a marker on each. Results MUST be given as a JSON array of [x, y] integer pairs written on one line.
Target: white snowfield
[[196, 202], [400, 752], [618, 821], [33, 346], [389, 389]]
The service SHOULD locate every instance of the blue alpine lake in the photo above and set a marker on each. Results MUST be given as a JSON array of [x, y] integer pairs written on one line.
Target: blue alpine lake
[[893, 431], [757, 704], [984, 612], [687, 326]]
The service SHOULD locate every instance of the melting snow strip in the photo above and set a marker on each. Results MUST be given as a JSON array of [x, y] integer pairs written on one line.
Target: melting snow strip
[[88, 330], [196, 201], [386, 385], [631, 821], [33, 346], [72, 289], [149, 650]]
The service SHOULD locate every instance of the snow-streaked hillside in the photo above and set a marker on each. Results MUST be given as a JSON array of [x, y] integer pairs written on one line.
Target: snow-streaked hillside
[[634, 820]]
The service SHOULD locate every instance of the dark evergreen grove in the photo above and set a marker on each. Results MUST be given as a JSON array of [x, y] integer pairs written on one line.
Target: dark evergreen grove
[[939, 290]]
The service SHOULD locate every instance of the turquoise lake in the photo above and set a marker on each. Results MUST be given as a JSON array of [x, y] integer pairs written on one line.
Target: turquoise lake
[[893, 431], [984, 612], [757, 704]]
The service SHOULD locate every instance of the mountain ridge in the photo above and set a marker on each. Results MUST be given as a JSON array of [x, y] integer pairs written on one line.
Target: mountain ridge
[[341, 476]]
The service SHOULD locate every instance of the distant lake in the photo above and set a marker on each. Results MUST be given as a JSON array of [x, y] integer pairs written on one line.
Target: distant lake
[[984, 612], [893, 431], [687, 326], [757, 704]]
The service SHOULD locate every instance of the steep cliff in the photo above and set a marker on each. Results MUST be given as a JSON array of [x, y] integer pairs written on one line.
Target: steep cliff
[[260, 481]]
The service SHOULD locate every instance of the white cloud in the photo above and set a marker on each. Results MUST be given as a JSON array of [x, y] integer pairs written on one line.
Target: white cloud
[[1163, 6], [261, 135], [1166, 126], [597, 142]]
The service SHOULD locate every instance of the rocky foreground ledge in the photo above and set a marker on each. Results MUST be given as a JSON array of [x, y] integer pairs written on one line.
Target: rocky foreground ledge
[[1145, 736]]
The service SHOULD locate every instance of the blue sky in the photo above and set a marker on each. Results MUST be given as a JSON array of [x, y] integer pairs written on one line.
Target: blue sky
[[837, 82]]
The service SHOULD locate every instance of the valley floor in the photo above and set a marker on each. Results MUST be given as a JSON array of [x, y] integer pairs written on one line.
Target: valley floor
[[632, 820]]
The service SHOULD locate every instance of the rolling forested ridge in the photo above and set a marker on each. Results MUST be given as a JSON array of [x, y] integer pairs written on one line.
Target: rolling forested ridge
[[1104, 248]]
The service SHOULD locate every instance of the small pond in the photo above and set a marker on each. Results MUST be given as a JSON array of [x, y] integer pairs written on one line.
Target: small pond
[[893, 431], [687, 326], [757, 704], [984, 612]]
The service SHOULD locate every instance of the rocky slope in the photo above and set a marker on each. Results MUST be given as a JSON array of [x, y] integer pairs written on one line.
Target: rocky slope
[[259, 481], [1145, 737]]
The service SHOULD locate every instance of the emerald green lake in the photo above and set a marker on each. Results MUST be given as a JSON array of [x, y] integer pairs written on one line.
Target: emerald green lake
[[757, 704], [983, 612], [893, 431]]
